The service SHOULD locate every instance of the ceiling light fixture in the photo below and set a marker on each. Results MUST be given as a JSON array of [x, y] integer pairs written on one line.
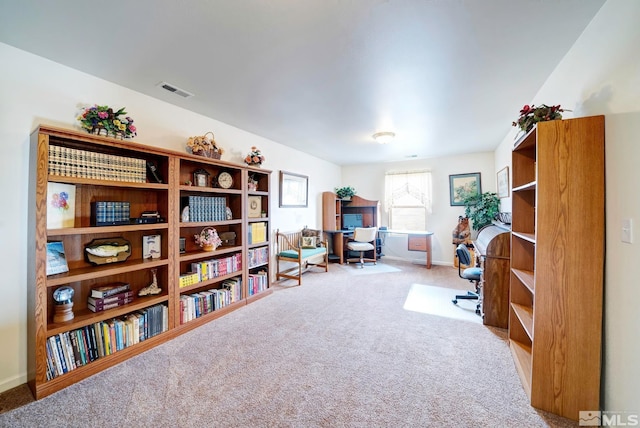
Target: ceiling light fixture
[[384, 137]]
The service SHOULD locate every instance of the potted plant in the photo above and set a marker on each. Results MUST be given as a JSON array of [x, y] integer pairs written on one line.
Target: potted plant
[[345, 192], [481, 209], [530, 115]]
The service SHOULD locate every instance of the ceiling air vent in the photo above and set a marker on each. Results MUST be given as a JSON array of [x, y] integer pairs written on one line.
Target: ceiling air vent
[[171, 88]]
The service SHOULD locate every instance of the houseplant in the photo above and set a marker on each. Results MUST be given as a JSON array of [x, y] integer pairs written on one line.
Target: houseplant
[[208, 239], [530, 115], [481, 209], [96, 119], [345, 192]]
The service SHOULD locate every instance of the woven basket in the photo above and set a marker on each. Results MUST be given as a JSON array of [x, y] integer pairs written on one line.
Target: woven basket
[[208, 153]]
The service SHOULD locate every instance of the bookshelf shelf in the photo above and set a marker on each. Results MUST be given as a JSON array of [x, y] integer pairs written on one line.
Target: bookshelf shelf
[[63, 353]]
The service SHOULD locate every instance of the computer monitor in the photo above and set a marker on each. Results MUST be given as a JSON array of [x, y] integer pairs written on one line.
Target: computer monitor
[[351, 221]]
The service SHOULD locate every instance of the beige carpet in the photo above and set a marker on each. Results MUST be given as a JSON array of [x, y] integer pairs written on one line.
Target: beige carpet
[[338, 351]]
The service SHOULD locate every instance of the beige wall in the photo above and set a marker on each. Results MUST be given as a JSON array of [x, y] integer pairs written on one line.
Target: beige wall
[[601, 75], [35, 90]]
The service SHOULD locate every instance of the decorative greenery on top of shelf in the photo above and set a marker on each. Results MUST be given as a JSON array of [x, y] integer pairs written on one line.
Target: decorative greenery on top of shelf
[[530, 115], [481, 209], [345, 192], [97, 118]]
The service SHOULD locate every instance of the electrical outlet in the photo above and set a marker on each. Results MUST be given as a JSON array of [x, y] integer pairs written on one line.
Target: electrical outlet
[[627, 230]]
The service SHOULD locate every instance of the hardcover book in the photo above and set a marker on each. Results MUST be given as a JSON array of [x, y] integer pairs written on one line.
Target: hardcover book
[[56, 259], [109, 290], [104, 306], [96, 301]]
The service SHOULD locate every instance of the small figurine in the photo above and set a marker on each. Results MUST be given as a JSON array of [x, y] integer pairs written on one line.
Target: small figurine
[[152, 288]]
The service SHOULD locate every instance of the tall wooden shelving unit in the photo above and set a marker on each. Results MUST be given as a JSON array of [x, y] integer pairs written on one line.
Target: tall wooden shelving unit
[[557, 258], [176, 169]]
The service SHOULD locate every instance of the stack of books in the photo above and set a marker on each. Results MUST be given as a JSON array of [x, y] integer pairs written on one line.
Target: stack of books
[[109, 297]]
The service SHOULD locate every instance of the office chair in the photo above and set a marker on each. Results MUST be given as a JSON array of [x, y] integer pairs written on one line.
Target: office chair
[[363, 240], [472, 274]]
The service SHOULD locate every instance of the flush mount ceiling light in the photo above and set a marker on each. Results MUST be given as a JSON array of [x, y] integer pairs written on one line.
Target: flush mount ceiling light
[[384, 137]]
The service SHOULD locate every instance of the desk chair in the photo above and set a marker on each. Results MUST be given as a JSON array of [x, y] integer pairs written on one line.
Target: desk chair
[[363, 240], [472, 274]]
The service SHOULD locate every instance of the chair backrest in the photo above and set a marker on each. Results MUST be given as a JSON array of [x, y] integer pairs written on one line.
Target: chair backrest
[[365, 234], [464, 257]]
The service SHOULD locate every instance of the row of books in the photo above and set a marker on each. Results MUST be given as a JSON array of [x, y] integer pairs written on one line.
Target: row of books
[[257, 233], [206, 208], [257, 282], [69, 162], [76, 348], [258, 256], [209, 269], [195, 305], [107, 213]]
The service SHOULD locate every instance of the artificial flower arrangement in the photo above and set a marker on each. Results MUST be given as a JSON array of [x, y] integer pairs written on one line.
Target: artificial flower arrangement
[[208, 239], [97, 118], [253, 182], [205, 145], [530, 115], [254, 157]]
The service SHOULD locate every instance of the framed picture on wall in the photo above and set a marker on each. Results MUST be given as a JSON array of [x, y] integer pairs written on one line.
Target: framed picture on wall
[[503, 182], [462, 186], [294, 189]]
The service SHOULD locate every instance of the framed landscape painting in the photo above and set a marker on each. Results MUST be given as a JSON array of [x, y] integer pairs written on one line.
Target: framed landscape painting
[[463, 185]]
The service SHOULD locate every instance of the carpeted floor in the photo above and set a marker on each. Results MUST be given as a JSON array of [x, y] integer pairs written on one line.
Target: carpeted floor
[[342, 350]]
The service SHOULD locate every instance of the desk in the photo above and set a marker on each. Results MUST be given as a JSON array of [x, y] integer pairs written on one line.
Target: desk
[[417, 240], [337, 244]]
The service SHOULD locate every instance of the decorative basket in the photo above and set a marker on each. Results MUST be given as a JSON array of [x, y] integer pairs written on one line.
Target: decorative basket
[[212, 234], [202, 145]]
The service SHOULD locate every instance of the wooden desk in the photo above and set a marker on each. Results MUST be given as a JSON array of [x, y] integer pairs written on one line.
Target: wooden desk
[[493, 249], [416, 241], [337, 244]]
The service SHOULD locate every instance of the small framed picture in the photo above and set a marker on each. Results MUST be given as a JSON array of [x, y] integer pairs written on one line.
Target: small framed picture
[[151, 248], [201, 178], [255, 206], [503, 182]]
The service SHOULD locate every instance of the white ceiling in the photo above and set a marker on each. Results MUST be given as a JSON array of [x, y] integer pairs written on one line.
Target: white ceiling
[[447, 76]]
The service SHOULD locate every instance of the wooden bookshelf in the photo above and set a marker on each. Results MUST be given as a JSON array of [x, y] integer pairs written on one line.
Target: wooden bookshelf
[[555, 320], [167, 198]]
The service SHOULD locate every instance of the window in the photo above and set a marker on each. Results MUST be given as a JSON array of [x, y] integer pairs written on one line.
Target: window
[[408, 199]]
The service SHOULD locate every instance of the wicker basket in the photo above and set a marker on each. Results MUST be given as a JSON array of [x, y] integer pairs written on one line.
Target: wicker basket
[[207, 146]]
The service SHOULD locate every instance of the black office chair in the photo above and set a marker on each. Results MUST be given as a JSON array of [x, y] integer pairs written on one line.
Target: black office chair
[[472, 274]]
